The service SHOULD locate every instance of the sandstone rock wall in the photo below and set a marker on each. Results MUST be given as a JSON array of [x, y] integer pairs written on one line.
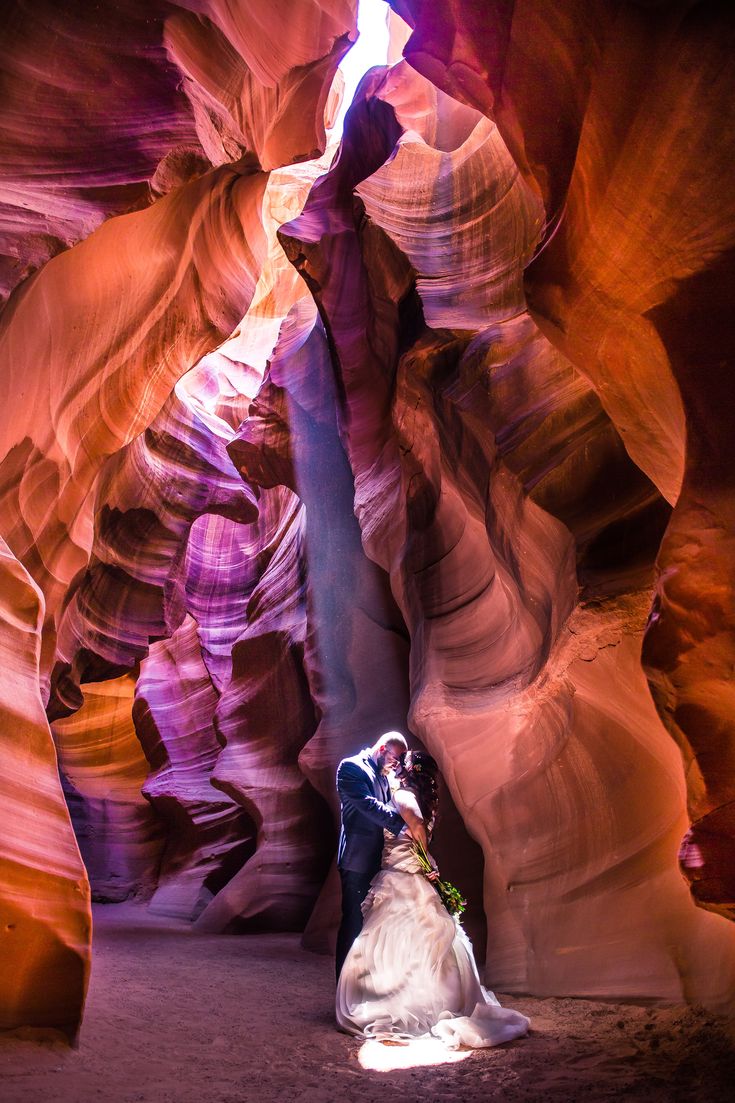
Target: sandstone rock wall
[[486, 520], [196, 106], [103, 770], [435, 434], [45, 919], [620, 116]]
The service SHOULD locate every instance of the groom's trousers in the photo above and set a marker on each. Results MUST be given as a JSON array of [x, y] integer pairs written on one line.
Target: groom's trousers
[[354, 890]]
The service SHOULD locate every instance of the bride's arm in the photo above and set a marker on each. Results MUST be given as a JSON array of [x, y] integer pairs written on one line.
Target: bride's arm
[[408, 806]]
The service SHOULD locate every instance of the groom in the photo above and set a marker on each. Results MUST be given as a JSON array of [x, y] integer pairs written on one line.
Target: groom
[[364, 794]]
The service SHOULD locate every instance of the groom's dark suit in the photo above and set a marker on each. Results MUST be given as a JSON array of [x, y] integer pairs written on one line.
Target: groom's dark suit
[[364, 794]]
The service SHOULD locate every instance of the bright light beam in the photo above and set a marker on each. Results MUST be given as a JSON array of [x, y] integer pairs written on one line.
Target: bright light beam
[[379, 1057], [370, 49]]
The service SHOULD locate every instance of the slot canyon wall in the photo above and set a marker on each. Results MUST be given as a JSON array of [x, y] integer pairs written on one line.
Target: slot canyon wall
[[301, 442]]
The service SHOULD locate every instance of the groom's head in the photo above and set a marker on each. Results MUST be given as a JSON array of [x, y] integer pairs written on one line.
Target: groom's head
[[388, 750]]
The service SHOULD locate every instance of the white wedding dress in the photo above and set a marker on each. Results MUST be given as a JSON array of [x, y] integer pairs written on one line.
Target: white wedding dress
[[411, 971]]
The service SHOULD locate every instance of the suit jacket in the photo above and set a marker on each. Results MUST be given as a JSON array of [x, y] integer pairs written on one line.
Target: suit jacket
[[364, 815]]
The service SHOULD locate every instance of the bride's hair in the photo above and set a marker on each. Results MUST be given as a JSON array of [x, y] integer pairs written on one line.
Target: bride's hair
[[421, 777]]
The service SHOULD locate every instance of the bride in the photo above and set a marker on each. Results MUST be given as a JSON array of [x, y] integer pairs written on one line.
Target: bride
[[411, 970]]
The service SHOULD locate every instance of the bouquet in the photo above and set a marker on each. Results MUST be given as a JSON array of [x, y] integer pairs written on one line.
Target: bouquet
[[449, 894]]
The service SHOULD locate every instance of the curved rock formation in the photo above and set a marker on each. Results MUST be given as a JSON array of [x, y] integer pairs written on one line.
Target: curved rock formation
[[615, 114], [45, 920], [87, 149], [252, 80], [148, 496], [137, 302], [296, 451], [103, 770], [208, 835], [265, 716], [355, 639], [187, 87], [93, 343], [508, 697]]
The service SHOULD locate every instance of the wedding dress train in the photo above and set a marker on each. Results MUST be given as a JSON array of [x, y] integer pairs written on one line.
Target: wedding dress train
[[411, 970]]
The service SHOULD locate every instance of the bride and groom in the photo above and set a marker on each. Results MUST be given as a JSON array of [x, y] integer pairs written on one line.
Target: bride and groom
[[405, 967]]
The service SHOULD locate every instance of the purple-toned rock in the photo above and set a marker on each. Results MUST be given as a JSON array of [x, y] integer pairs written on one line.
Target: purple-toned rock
[[103, 770], [209, 835], [479, 493]]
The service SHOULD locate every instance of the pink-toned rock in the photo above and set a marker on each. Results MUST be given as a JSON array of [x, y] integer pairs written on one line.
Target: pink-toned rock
[[617, 117], [355, 638], [413, 464], [92, 346], [265, 716], [136, 303], [78, 149], [257, 81], [148, 496], [485, 578], [186, 87]]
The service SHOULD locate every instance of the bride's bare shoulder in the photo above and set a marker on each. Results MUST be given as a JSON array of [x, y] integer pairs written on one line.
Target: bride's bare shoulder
[[405, 801]]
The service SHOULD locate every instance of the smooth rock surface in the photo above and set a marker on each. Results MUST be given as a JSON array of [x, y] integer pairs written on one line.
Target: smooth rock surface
[[432, 435], [45, 918], [485, 579], [620, 116]]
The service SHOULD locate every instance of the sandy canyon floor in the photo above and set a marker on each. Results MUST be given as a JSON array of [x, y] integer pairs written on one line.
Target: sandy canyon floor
[[176, 1017]]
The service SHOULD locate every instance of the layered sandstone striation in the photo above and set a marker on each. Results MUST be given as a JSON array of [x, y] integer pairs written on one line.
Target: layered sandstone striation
[[620, 118], [431, 435], [490, 483], [104, 469], [208, 835], [103, 769], [45, 917], [143, 98]]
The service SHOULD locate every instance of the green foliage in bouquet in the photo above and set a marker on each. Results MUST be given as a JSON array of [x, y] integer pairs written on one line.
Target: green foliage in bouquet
[[449, 894]]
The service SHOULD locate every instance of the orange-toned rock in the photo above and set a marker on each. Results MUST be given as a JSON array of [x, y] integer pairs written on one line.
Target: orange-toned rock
[[125, 313], [440, 502], [186, 87], [103, 770], [621, 119], [91, 348], [45, 918], [258, 81], [509, 678]]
